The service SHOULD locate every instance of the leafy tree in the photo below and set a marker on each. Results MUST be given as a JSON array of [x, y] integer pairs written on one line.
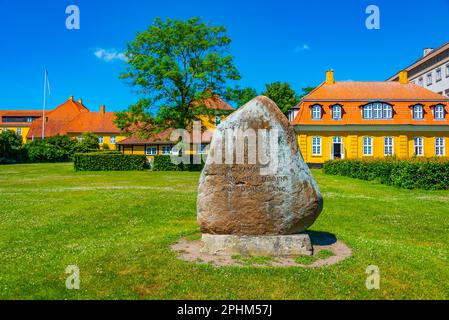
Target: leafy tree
[[175, 65], [52, 149], [10, 147], [306, 91], [240, 96], [282, 94], [89, 142]]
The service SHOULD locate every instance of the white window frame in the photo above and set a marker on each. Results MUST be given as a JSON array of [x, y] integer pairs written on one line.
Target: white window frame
[[19, 131], [438, 74], [336, 112], [337, 140], [429, 79], [388, 146], [418, 146], [418, 109], [151, 151], [377, 110], [367, 146], [440, 150], [316, 146], [113, 139], [387, 111], [368, 111], [29, 119], [166, 150], [438, 111], [316, 112], [100, 139]]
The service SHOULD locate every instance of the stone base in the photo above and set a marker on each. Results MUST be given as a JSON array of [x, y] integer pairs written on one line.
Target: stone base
[[275, 246]]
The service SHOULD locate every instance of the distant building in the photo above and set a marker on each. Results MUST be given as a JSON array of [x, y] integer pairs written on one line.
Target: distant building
[[71, 118], [371, 120], [431, 71]]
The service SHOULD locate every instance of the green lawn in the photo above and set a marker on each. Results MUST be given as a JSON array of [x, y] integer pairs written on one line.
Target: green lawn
[[118, 226]]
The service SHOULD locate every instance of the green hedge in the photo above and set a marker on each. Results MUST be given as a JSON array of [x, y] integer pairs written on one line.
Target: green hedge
[[109, 161], [164, 163], [429, 174]]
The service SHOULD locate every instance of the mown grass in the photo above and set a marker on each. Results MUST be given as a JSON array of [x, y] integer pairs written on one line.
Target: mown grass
[[117, 227]]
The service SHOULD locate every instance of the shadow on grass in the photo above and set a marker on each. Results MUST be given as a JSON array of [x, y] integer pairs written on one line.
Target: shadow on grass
[[321, 238]]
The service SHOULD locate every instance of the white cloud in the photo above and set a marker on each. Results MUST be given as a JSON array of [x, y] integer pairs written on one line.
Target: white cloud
[[300, 48], [109, 55]]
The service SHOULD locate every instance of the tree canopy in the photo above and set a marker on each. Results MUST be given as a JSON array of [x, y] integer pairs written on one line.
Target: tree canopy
[[282, 94], [175, 65]]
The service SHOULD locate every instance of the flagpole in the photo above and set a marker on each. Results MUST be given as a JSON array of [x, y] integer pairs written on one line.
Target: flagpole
[[43, 108]]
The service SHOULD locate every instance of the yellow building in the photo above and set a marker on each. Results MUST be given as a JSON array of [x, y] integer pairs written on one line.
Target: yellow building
[[18, 121], [161, 144], [353, 120]]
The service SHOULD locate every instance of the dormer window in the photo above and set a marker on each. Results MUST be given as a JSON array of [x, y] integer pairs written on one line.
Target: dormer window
[[377, 111], [336, 112], [438, 112], [316, 111], [418, 113]]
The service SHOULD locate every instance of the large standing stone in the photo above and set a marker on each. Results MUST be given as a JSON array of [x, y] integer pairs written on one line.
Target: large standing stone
[[256, 199]]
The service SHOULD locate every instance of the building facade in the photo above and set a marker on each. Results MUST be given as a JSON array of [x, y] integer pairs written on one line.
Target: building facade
[[431, 71], [371, 120], [161, 143], [71, 118]]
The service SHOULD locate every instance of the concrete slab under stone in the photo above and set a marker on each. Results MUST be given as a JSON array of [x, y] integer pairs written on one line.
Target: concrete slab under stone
[[272, 246]]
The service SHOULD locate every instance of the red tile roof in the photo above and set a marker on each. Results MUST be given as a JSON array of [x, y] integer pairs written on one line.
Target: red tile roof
[[353, 95], [96, 122], [160, 138], [216, 103]]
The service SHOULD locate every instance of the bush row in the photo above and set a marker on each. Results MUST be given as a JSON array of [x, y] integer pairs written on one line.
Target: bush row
[[164, 163], [109, 161], [429, 174]]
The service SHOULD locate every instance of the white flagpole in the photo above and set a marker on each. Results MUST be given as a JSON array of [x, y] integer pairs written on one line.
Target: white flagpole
[[43, 109]]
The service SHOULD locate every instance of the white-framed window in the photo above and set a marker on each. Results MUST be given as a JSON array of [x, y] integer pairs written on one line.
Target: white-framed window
[[367, 146], [418, 146], [377, 110], [336, 140], [368, 111], [203, 149], [429, 79], [100, 139], [439, 147], [19, 131], [166, 150], [336, 112], [387, 111], [316, 146], [29, 119], [217, 120], [439, 112], [447, 70], [438, 74], [388, 146], [316, 112], [151, 151], [418, 113], [421, 82], [113, 139], [79, 138]]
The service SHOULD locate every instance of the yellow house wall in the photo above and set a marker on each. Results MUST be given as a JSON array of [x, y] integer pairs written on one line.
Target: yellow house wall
[[106, 138], [23, 134], [403, 144]]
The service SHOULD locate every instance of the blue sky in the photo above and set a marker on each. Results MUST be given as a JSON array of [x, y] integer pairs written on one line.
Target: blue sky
[[284, 40]]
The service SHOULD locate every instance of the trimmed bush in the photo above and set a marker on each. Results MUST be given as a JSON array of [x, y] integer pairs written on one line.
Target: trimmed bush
[[429, 174], [109, 161], [164, 163]]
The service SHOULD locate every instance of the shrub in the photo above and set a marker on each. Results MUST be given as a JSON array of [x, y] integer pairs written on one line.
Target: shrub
[[88, 143], [109, 161], [11, 148], [164, 163], [53, 149], [408, 174], [106, 146]]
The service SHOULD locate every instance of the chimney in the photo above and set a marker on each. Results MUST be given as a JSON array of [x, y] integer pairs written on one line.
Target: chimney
[[102, 109], [71, 98], [427, 51], [330, 77], [80, 101], [403, 77]]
